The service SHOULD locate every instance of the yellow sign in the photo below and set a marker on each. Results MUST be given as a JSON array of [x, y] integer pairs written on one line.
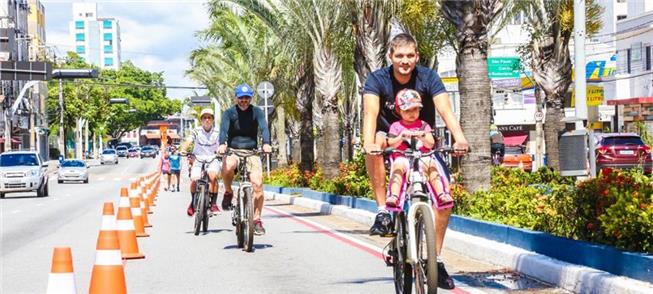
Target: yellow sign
[[594, 96]]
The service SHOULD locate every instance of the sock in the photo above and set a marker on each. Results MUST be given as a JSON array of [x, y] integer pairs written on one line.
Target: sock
[[440, 259], [381, 209]]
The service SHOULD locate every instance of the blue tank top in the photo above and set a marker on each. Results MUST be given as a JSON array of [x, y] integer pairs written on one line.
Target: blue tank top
[[175, 162]]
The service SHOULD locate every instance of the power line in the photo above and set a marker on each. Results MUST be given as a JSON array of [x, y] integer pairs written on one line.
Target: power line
[[144, 85]]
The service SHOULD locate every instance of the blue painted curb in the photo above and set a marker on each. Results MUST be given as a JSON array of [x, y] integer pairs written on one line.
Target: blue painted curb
[[606, 258]]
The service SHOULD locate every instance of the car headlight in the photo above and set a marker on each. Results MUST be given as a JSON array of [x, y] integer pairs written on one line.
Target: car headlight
[[34, 172]]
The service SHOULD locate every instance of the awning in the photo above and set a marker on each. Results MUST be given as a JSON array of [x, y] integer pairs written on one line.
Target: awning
[[514, 140], [174, 136], [636, 100], [152, 136], [13, 140]]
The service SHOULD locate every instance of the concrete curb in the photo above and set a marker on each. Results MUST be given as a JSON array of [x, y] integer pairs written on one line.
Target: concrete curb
[[571, 277]]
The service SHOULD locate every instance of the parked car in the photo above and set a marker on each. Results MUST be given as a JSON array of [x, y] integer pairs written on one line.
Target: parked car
[[622, 150], [122, 151], [23, 171], [516, 156], [132, 152], [109, 156], [148, 151], [73, 170]]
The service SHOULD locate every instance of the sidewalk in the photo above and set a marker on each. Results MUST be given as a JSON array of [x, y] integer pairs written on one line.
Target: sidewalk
[[575, 278]]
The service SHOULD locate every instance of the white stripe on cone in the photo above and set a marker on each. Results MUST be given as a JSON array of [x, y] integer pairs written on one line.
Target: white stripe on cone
[[125, 225], [108, 223], [61, 283], [136, 211], [108, 257], [124, 202]]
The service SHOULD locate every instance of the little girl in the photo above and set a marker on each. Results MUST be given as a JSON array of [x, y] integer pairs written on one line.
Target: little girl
[[408, 104], [165, 169]]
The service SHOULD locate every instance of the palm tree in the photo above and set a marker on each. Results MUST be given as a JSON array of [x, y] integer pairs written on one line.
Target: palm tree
[[472, 20], [551, 24]]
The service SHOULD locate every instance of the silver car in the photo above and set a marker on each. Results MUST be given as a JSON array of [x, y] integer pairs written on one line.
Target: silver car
[[73, 170], [23, 171], [109, 155]]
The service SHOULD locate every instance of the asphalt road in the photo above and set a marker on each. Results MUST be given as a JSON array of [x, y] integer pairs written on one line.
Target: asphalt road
[[302, 252]]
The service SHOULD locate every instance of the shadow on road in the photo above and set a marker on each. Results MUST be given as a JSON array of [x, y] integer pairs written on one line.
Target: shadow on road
[[302, 214], [256, 246], [385, 280], [211, 231]]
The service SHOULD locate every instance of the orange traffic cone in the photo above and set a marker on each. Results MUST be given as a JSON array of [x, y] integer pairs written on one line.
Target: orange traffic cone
[[137, 214], [108, 274], [150, 196], [62, 278], [126, 229], [145, 208]]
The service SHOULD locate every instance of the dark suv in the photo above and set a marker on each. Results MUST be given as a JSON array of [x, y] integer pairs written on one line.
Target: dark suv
[[622, 150], [148, 151]]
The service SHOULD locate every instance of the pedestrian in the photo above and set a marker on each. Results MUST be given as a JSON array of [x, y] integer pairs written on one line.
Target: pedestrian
[[175, 167], [165, 169]]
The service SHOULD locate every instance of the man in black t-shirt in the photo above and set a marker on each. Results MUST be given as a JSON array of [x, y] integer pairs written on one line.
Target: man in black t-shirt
[[379, 94]]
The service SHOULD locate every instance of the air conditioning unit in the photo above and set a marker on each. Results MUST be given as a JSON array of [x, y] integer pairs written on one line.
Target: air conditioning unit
[[573, 150]]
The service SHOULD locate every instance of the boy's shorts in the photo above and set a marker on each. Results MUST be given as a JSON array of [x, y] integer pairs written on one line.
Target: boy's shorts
[[196, 170]]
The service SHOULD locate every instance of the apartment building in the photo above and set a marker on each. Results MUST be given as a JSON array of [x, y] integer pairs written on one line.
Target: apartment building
[[95, 39]]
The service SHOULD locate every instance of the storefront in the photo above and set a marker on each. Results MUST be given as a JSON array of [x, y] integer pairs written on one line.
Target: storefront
[[517, 135], [632, 111]]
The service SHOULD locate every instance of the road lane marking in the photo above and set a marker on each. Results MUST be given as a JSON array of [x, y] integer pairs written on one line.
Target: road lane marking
[[116, 179], [369, 248], [15, 211]]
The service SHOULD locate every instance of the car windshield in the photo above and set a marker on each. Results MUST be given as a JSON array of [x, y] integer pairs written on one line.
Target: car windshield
[[119, 148], [147, 149], [72, 163], [18, 160], [109, 152], [629, 140], [132, 150]]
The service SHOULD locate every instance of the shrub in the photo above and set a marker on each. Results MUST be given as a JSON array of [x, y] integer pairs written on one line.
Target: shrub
[[290, 176]]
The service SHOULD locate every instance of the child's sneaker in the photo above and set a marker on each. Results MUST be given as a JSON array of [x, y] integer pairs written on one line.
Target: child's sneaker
[[392, 201], [445, 198]]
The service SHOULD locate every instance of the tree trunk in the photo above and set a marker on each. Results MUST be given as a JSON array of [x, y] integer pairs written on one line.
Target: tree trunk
[[295, 146], [280, 126], [475, 106], [305, 97], [554, 114], [330, 149]]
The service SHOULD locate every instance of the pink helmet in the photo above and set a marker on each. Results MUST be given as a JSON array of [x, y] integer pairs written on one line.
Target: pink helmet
[[407, 99]]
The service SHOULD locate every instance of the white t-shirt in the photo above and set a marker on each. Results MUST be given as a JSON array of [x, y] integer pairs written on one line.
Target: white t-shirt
[[206, 143]]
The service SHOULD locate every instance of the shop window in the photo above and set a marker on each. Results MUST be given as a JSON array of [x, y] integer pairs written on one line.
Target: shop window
[[79, 24], [648, 58]]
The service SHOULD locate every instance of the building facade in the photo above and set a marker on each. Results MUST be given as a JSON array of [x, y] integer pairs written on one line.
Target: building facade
[[96, 40]]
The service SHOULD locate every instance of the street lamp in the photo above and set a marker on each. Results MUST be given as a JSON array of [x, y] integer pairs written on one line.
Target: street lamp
[[68, 74]]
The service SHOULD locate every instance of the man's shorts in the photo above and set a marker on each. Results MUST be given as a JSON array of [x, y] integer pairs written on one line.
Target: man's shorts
[[196, 170], [254, 164], [175, 172]]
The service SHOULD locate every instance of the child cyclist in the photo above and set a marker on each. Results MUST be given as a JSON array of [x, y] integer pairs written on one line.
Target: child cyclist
[[408, 104]]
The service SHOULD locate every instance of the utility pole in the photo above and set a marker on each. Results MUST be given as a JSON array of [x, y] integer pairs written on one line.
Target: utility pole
[[62, 137], [579, 59]]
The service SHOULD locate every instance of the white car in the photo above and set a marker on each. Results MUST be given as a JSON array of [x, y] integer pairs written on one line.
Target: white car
[[23, 171], [73, 170], [109, 155]]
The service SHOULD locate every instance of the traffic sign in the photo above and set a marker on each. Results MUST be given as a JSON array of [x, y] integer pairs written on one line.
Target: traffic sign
[[503, 67], [539, 116], [265, 89], [25, 71]]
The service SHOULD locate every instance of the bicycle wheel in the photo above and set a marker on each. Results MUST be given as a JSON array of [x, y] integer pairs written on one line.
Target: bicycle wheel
[[205, 217], [240, 236], [402, 271], [200, 210], [426, 271], [248, 219]]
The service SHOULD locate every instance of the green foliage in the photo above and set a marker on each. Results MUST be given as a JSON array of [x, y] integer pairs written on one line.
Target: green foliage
[[89, 100], [615, 208]]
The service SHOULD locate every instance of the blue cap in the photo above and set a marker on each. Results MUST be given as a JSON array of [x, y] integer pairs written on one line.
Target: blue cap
[[243, 90]]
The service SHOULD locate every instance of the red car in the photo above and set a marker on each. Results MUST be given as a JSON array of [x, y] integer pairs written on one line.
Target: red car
[[622, 150], [517, 157], [133, 152]]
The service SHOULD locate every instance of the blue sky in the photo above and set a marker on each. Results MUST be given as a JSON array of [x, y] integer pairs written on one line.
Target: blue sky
[[157, 35]]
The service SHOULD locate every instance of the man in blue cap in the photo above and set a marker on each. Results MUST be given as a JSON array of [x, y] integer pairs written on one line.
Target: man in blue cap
[[239, 131]]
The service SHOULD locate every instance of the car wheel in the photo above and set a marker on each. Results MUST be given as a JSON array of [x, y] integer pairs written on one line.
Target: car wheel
[[102, 162], [47, 190], [60, 181], [2, 195], [86, 181], [40, 192]]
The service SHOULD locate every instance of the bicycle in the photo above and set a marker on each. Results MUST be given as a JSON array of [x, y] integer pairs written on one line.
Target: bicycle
[[243, 213], [201, 199], [412, 252]]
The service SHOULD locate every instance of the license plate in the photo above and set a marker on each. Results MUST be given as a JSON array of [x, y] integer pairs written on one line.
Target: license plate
[[13, 181], [627, 152]]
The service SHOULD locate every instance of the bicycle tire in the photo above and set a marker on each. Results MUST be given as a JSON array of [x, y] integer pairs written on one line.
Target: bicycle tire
[[240, 236], [201, 210], [248, 219], [205, 218], [401, 270], [426, 269]]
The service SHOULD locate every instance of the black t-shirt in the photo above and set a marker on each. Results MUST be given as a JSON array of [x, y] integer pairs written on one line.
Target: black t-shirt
[[383, 84], [239, 128]]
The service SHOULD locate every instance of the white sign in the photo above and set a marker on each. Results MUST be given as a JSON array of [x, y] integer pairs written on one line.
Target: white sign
[[265, 89], [539, 115]]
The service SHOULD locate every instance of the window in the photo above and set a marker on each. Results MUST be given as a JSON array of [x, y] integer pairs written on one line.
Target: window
[[628, 58], [621, 1], [108, 61], [81, 49], [108, 37], [648, 58], [107, 24], [620, 17], [79, 24], [89, 14], [108, 49], [80, 37]]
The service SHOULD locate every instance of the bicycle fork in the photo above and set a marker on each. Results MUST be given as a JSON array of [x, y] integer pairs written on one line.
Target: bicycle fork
[[410, 217]]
